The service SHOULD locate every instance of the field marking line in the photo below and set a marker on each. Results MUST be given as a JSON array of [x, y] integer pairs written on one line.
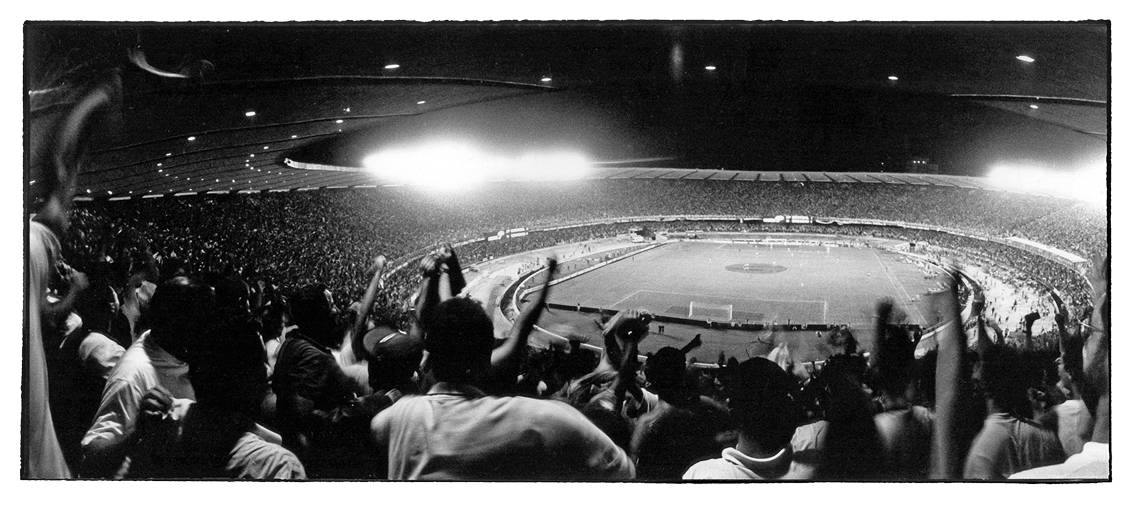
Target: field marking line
[[627, 297], [900, 290], [691, 294]]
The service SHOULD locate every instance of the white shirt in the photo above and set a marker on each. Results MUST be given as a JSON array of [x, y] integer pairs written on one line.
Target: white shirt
[[1090, 464], [99, 354], [455, 432], [142, 367]]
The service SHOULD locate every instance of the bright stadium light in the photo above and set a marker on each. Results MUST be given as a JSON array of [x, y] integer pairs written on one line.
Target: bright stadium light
[[443, 165], [250, 114], [1086, 184], [392, 66], [454, 165], [892, 78], [1026, 58]]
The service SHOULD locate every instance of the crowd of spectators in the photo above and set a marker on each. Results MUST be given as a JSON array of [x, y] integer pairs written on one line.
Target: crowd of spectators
[[657, 419], [298, 238], [196, 395]]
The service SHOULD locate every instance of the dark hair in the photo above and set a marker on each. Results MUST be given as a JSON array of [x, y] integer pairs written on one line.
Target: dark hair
[[272, 320], [666, 368], [761, 402], [231, 291], [312, 312], [459, 339], [1006, 374], [179, 311], [96, 306], [228, 371]]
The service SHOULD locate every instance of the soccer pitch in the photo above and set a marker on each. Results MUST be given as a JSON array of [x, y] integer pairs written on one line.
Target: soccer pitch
[[750, 282]]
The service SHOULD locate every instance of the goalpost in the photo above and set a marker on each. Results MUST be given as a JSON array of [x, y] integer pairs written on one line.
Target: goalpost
[[707, 311]]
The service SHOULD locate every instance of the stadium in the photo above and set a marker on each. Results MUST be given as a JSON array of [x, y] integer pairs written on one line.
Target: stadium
[[764, 186]]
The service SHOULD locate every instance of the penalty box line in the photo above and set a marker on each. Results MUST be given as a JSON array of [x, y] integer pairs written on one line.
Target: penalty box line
[[634, 293]]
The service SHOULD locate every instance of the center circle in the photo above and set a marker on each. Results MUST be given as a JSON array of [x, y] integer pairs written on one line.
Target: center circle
[[755, 268]]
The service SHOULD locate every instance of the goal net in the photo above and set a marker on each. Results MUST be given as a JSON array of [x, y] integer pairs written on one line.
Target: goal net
[[706, 311]]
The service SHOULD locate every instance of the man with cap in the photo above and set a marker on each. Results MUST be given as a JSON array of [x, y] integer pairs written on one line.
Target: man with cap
[[764, 411], [456, 432], [393, 357]]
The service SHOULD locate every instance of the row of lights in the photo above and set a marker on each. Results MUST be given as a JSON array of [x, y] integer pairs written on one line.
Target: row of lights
[[1021, 57], [394, 66]]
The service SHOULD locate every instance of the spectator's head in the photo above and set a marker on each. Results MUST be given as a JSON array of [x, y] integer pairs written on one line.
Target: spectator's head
[[97, 306], [665, 369], [272, 320], [231, 291], [228, 372], [600, 410], [395, 358], [179, 312], [1005, 377], [761, 402], [172, 267], [459, 340], [314, 313], [842, 341]]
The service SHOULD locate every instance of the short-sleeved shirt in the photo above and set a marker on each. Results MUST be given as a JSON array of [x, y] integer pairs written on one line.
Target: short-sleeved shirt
[[99, 354], [457, 433], [735, 465], [1090, 464], [905, 434], [807, 449], [1007, 445], [209, 443], [1074, 425], [254, 458]]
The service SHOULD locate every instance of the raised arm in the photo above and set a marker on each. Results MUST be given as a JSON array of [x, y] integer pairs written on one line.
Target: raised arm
[[883, 310], [76, 283], [504, 359], [984, 341], [949, 392], [454, 271], [428, 297], [627, 329], [360, 325]]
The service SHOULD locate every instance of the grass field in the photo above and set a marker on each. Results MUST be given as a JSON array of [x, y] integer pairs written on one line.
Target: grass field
[[804, 284]]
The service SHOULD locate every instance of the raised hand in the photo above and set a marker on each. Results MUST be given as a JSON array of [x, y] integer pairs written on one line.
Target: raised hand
[[379, 262], [430, 264], [629, 326], [505, 357], [153, 408], [77, 280]]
